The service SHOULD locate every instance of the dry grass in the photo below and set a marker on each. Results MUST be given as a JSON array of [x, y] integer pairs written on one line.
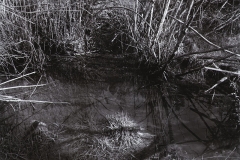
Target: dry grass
[[156, 32], [31, 31]]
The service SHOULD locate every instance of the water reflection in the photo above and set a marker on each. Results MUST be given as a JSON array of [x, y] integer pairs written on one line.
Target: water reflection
[[121, 118]]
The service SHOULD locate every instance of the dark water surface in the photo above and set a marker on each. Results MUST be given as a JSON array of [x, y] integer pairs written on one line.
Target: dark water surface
[[82, 105]]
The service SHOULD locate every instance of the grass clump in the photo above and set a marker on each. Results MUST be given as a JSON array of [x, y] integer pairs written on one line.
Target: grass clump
[[114, 137], [123, 132], [124, 136]]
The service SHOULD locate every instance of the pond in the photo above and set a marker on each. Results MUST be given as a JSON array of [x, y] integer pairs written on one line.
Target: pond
[[113, 119]]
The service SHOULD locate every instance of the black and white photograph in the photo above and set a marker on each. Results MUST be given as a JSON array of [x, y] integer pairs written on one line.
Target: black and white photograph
[[119, 79]]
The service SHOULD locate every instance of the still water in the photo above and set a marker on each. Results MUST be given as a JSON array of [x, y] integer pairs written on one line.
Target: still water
[[76, 114]]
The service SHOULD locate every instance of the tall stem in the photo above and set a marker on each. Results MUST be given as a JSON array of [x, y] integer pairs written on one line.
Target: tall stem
[[135, 16], [160, 28], [150, 22]]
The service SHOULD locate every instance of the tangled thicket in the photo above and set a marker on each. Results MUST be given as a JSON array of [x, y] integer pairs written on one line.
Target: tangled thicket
[[32, 32]]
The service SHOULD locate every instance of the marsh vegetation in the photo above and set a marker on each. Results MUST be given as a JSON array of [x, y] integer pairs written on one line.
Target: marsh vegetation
[[138, 79]]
